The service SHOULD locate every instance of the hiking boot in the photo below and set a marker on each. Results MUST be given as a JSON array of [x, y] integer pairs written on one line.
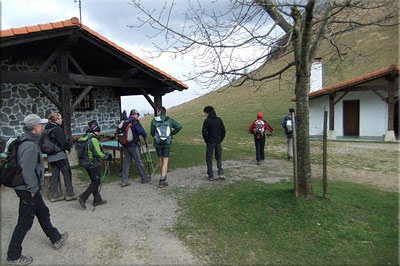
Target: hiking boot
[[125, 184], [146, 180], [72, 197], [23, 260], [222, 176], [210, 178], [258, 162], [57, 199], [162, 183], [60, 242], [82, 202], [101, 202]]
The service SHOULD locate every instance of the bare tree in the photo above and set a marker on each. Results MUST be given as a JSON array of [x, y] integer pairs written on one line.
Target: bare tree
[[246, 34]]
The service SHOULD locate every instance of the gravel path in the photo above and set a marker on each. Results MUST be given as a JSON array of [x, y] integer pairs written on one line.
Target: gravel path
[[135, 227]]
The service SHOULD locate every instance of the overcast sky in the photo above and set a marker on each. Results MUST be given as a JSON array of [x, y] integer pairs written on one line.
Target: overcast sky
[[109, 18]]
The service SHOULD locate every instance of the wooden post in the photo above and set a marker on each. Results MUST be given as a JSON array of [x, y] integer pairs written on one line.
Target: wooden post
[[331, 111], [324, 157], [295, 177], [391, 90], [157, 102]]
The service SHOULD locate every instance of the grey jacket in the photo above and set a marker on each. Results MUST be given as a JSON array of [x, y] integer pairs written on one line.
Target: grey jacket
[[31, 161]]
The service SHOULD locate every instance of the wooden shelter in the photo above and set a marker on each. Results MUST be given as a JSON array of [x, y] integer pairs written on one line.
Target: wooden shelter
[[64, 59]]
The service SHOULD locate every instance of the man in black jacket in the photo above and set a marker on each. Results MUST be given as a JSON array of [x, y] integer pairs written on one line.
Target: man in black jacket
[[213, 134], [59, 159]]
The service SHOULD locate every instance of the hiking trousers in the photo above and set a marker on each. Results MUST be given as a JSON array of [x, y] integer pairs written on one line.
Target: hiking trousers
[[93, 188], [289, 147], [214, 148], [260, 144], [129, 153], [29, 207], [63, 167]]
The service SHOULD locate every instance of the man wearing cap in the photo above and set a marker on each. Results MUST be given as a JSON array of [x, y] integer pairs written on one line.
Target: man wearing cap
[[94, 154], [257, 128], [132, 150], [31, 203]]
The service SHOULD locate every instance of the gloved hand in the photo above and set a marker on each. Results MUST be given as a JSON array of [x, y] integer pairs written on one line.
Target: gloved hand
[[109, 157]]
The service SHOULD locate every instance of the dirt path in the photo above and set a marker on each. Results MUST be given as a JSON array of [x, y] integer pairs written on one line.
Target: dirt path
[[135, 226]]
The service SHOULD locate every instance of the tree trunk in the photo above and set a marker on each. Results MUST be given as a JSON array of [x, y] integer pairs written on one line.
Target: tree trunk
[[303, 143]]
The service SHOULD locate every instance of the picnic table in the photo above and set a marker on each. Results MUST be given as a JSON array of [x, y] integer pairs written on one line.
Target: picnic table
[[114, 146]]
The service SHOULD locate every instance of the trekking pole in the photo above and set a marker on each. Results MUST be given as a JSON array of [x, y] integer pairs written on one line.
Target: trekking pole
[[101, 178], [149, 156]]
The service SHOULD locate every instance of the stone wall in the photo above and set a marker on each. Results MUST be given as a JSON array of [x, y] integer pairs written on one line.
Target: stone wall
[[19, 100]]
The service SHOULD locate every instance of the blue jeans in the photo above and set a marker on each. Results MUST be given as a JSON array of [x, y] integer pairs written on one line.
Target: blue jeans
[[29, 207], [211, 147], [129, 153]]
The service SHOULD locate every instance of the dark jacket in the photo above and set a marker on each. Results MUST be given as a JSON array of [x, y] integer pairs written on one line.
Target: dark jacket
[[213, 129], [31, 161], [58, 137], [288, 133], [137, 130]]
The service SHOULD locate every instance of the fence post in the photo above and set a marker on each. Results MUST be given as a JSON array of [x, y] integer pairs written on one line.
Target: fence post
[[324, 158], [295, 177]]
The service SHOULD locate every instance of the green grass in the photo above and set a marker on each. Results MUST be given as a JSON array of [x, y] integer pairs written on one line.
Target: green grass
[[256, 223]]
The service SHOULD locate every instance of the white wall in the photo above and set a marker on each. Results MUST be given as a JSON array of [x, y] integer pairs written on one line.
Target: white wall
[[316, 76], [373, 114]]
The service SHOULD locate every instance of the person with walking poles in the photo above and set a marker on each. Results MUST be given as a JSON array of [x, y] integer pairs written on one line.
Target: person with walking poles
[[131, 148], [31, 203], [90, 153], [213, 134], [288, 127], [162, 129], [258, 128], [58, 158]]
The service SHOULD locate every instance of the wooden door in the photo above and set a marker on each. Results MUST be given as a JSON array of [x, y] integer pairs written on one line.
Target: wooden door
[[351, 118]]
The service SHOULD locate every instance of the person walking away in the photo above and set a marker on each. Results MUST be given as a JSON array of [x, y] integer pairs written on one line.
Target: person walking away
[[162, 129], [213, 134], [93, 165], [132, 150], [31, 203], [288, 127], [59, 161], [258, 128]]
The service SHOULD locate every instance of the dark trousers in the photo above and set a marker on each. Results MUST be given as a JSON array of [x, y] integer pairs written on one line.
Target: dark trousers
[[260, 144], [63, 167], [93, 188], [29, 208], [211, 147]]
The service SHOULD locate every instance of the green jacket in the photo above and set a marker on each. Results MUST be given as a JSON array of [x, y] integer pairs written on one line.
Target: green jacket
[[174, 125], [95, 150]]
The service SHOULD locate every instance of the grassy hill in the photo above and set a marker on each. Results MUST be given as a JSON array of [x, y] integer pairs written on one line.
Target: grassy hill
[[367, 51]]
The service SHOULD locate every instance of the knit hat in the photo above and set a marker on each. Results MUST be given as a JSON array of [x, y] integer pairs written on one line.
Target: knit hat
[[34, 119], [94, 126], [260, 115]]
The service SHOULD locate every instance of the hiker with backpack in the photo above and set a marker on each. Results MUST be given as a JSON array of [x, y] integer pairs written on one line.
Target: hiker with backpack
[[213, 134], [162, 129], [90, 153], [31, 203], [287, 125], [58, 159], [128, 136], [258, 128]]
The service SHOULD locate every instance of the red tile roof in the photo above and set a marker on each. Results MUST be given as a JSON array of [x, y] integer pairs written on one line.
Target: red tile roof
[[74, 22], [352, 82]]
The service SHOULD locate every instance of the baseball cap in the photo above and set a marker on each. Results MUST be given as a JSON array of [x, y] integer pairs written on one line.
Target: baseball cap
[[34, 119], [134, 111]]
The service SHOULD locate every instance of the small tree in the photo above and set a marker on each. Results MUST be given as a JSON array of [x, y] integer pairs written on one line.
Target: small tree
[[219, 38]]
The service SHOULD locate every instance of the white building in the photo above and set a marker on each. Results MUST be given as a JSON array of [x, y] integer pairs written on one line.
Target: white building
[[366, 106]]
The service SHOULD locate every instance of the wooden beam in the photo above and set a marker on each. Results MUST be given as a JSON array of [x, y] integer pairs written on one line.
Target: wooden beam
[[148, 99], [49, 61], [32, 37], [81, 97], [112, 82], [332, 111], [78, 67], [391, 104], [341, 97], [34, 77], [381, 96], [49, 95]]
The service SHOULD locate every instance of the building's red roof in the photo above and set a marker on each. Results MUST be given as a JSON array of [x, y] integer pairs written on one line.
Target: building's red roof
[[74, 22], [352, 82]]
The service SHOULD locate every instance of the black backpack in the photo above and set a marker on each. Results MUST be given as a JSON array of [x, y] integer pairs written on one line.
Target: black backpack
[[81, 149], [46, 145], [10, 171]]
